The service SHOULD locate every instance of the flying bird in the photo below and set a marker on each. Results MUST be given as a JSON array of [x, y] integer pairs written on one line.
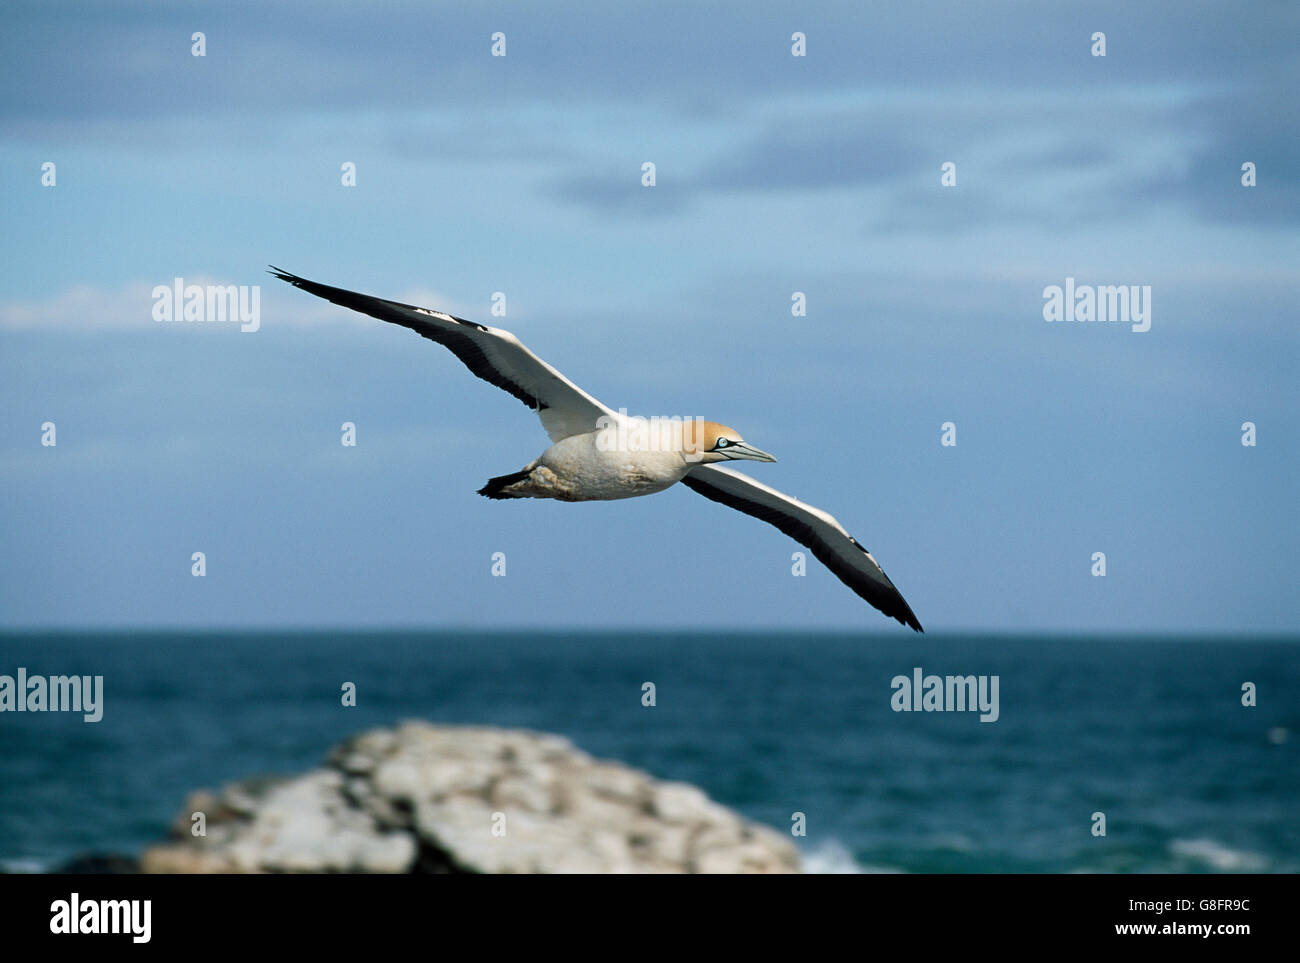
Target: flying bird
[[599, 454]]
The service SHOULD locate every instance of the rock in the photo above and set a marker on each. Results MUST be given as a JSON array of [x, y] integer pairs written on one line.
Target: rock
[[424, 798]]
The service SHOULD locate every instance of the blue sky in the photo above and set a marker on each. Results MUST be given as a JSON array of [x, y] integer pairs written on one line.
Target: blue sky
[[775, 174]]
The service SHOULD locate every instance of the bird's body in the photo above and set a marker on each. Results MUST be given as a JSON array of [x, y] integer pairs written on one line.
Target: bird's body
[[625, 457], [600, 455], [576, 469]]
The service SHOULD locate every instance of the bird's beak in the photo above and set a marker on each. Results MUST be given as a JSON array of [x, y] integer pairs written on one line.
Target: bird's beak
[[745, 452]]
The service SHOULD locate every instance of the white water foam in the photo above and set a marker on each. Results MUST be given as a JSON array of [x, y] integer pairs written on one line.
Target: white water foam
[[834, 858], [21, 866], [1217, 856]]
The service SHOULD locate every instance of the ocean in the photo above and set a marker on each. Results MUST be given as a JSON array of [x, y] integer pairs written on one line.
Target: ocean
[[1149, 731]]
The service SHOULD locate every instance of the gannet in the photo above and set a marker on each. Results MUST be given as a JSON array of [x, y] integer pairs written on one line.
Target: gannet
[[599, 454]]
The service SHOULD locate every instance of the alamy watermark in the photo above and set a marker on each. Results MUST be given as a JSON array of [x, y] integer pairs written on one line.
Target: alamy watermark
[[132, 917], [951, 693], [237, 303], [1121, 303], [57, 693], [657, 433]]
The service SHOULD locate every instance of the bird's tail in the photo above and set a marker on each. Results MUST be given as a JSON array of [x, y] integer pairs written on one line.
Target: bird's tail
[[496, 487]]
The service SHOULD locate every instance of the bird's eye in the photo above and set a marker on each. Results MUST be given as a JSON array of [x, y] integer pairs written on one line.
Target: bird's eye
[[723, 443]]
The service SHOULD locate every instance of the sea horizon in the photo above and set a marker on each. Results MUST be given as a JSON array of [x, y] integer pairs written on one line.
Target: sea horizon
[[1150, 730]]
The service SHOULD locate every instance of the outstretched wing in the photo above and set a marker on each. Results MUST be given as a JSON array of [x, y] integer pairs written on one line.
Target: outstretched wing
[[494, 355], [810, 527]]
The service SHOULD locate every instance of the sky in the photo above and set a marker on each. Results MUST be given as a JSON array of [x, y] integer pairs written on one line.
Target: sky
[[774, 174]]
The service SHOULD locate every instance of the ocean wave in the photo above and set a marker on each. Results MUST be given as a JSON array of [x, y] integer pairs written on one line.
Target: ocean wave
[[21, 866], [1217, 856], [952, 842], [834, 858]]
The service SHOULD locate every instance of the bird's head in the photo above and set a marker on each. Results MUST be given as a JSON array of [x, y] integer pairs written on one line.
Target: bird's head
[[708, 441]]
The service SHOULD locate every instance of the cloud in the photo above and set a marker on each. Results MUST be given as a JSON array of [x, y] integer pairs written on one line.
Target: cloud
[[132, 59], [81, 308], [621, 193], [129, 307], [811, 154], [1246, 124], [1019, 160], [1113, 156]]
